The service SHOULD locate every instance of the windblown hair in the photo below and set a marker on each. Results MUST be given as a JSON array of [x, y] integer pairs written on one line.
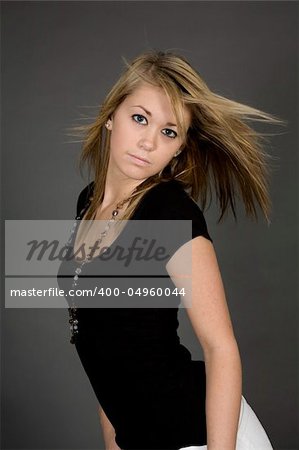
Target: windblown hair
[[219, 147]]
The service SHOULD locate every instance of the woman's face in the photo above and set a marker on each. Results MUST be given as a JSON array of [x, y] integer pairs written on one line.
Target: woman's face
[[144, 135]]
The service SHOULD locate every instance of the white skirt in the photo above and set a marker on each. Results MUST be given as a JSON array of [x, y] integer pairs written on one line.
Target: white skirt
[[251, 434]]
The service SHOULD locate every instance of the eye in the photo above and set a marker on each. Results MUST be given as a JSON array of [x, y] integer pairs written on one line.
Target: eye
[[138, 116], [174, 134]]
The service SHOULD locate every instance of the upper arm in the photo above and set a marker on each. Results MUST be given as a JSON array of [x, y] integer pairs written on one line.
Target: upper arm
[[208, 311]]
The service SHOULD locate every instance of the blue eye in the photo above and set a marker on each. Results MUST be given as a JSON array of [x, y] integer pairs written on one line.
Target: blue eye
[[138, 116]]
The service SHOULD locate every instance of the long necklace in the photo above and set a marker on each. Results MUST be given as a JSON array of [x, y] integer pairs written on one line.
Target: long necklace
[[73, 317]]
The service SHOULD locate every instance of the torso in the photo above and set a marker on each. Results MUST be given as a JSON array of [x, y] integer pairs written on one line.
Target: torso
[[143, 377]]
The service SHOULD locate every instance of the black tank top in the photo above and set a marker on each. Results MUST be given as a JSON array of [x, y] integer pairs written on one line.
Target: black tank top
[[145, 380]]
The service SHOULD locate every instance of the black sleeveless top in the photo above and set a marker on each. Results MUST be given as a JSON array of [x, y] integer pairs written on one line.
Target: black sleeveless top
[[145, 380]]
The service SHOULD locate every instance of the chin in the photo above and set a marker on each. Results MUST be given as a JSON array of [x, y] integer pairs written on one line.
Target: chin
[[138, 174]]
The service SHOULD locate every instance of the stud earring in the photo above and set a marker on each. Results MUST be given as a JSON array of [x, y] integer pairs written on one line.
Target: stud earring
[[107, 124]]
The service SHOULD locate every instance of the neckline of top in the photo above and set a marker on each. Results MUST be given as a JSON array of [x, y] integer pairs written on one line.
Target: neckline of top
[[83, 211], [91, 186]]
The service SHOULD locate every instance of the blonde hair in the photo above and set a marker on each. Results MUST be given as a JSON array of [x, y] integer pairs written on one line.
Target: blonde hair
[[219, 146]]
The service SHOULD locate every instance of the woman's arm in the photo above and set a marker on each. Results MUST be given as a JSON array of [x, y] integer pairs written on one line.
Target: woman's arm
[[209, 316], [108, 431]]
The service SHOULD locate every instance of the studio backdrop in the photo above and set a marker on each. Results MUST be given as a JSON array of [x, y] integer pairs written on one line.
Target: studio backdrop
[[59, 59]]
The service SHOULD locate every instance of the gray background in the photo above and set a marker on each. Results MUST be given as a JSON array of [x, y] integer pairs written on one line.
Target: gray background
[[58, 58]]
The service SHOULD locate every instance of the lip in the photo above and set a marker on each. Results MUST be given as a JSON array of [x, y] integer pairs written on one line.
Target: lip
[[138, 158]]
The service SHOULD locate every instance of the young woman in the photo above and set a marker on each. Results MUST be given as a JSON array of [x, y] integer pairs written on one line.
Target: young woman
[[159, 139]]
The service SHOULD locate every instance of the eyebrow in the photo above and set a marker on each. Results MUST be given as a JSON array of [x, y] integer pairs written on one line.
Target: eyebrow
[[150, 114]]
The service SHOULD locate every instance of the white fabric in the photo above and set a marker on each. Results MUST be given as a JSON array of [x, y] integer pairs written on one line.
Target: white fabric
[[251, 434]]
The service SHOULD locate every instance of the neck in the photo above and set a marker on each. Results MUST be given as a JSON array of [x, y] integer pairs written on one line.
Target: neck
[[117, 190]]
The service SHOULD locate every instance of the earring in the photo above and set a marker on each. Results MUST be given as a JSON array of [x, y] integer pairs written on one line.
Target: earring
[[107, 124], [177, 153]]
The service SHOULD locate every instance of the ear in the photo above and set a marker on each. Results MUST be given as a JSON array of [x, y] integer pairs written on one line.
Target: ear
[[177, 153], [111, 121], [108, 124]]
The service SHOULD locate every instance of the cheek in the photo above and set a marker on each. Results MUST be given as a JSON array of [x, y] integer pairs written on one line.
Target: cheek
[[122, 136], [165, 159], [116, 141]]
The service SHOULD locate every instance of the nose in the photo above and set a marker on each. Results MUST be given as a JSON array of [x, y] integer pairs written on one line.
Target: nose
[[148, 140]]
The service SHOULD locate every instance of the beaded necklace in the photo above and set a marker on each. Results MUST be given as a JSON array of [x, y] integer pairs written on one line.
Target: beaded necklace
[[73, 317]]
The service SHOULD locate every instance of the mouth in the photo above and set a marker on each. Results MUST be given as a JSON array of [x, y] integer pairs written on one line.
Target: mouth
[[139, 159]]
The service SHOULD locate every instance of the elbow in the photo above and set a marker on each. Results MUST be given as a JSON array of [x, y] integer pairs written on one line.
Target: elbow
[[227, 347]]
